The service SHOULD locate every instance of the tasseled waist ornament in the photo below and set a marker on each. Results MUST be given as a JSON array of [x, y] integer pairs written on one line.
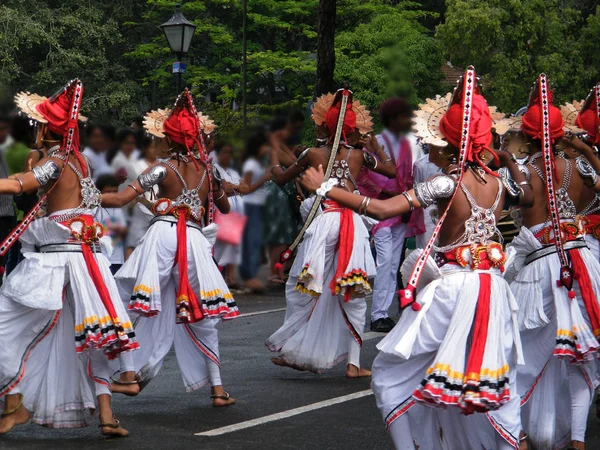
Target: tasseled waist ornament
[[570, 231], [592, 225], [475, 256]]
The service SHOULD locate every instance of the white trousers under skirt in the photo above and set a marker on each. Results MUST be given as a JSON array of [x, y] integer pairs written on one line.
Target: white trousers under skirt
[[388, 243]]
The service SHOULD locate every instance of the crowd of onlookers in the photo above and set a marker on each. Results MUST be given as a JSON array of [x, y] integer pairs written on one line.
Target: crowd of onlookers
[[262, 223]]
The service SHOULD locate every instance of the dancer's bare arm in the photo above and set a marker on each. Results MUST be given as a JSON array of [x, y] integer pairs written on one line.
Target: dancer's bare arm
[[146, 181], [376, 159], [47, 171], [378, 209]]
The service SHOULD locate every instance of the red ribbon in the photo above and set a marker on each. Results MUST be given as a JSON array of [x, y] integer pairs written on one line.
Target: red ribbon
[[185, 293], [344, 245], [581, 274]]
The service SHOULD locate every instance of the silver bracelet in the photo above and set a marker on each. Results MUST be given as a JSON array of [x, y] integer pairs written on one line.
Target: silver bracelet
[[135, 189], [409, 199], [524, 183], [362, 204], [326, 186], [220, 196], [367, 206], [21, 184], [386, 161]]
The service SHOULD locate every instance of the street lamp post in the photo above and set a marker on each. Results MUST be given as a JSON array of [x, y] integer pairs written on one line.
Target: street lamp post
[[179, 32]]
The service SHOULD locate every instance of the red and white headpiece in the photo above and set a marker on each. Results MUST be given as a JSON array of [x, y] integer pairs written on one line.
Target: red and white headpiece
[[588, 117]]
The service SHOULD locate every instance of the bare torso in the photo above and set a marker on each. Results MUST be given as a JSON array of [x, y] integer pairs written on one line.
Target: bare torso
[[172, 186], [67, 192], [484, 194], [538, 214]]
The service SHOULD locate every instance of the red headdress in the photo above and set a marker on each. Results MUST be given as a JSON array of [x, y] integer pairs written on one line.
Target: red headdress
[[331, 118], [183, 126], [466, 125], [589, 116], [533, 119], [61, 114]]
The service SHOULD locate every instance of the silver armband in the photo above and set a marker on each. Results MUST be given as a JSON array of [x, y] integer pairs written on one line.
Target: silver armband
[[46, 172], [511, 186], [370, 160], [439, 187], [302, 155], [586, 170], [154, 176]]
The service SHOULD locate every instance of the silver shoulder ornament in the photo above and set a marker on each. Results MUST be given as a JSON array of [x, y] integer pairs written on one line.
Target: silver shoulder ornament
[[511, 186], [302, 155], [49, 171], [370, 160], [154, 176], [586, 170], [439, 187]]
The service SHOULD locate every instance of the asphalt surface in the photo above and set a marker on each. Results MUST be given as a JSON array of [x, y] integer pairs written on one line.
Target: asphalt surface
[[164, 416]]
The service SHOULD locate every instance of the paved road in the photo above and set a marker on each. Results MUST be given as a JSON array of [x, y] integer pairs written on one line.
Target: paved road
[[165, 417]]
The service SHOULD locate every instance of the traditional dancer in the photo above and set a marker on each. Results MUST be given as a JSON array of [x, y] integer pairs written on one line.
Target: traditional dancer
[[399, 147], [171, 281], [64, 284], [585, 115], [556, 280], [454, 349], [326, 309]]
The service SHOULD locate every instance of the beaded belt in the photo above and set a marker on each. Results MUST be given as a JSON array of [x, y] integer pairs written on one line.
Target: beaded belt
[[173, 220], [70, 247], [551, 249]]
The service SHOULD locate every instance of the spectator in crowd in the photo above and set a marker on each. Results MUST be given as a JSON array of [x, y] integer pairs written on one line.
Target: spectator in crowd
[[254, 178], [281, 223], [141, 213], [126, 154], [229, 256], [293, 129], [99, 142], [17, 152], [114, 222], [7, 211]]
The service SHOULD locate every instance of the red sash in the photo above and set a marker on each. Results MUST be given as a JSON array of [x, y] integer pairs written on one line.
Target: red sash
[[344, 245]]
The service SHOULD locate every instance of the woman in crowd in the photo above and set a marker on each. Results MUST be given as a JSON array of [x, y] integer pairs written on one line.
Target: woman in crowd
[[254, 176], [228, 256]]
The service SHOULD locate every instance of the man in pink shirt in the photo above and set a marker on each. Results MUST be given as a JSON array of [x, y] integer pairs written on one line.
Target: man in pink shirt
[[401, 147]]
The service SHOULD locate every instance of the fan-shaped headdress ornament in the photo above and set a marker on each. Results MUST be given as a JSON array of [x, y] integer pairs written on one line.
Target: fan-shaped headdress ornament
[[360, 117]]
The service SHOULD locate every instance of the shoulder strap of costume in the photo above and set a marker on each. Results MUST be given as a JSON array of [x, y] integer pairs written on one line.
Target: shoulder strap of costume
[[566, 274], [286, 255], [408, 296]]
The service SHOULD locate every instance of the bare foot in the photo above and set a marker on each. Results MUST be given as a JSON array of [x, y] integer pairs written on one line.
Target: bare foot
[[126, 385], [278, 361], [113, 428], [221, 398], [19, 417], [354, 372], [577, 445], [523, 441]]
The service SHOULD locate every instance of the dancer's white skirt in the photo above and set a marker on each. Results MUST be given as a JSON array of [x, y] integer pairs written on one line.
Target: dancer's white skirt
[[196, 344], [548, 318], [435, 342], [50, 341], [154, 260], [320, 327]]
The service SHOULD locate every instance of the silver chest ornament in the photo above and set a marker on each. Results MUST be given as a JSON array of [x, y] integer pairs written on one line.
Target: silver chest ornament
[[191, 199]]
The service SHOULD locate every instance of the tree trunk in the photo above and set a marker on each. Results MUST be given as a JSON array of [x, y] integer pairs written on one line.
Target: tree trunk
[[325, 47]]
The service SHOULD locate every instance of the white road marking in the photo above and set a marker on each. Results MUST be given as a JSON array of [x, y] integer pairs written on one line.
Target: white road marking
[[372, 335], [284, 414], [258, 313]]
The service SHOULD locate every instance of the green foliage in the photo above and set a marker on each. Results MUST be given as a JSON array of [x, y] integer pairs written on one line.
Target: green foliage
[[511, 41], [120, 53]]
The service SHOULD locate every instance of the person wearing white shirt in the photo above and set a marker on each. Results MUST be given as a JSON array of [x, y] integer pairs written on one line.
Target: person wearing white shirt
[[98, 143], [401, 147], [228, 255], [423, 169], [126, 155], [254, 178]]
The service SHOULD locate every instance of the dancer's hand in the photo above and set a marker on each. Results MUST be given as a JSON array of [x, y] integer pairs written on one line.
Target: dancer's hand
[[313, 178]]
